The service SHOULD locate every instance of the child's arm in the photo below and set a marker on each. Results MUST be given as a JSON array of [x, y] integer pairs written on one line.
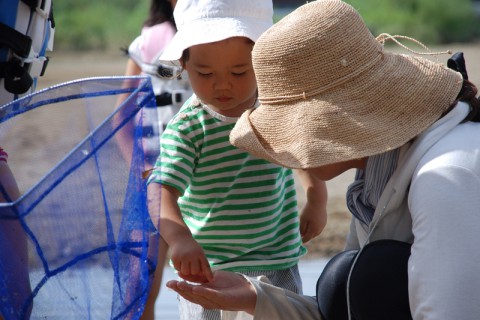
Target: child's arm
[[8, 183], [186, 254], [14, 253], [313, 216]]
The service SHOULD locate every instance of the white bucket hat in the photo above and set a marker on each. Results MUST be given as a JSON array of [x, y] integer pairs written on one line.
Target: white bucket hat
[[206, 21]]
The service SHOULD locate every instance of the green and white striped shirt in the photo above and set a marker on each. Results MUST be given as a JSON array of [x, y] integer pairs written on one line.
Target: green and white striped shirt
[[241, 209]]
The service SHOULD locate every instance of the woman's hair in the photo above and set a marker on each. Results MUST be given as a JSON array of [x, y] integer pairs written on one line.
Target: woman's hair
[[160, 11], [468, 94]]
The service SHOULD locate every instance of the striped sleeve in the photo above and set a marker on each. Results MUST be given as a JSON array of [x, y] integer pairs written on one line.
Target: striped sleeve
[[178, 150]]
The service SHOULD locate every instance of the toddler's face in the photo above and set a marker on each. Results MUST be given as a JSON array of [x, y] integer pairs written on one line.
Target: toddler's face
[[221, 75]]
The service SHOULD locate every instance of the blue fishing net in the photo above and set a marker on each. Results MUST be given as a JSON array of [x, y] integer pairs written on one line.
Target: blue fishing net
[[78, 243]]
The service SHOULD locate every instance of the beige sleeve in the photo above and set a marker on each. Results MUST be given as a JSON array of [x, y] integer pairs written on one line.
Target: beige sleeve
[[277, 303]]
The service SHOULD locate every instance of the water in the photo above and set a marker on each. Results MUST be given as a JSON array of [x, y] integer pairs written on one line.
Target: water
[[166, 306]]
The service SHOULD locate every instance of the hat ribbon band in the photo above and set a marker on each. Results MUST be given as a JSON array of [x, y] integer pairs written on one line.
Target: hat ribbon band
[[385, 36], [304, 95]]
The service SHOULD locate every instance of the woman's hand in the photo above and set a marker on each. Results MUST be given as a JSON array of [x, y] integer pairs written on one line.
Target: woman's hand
[[227, 291]]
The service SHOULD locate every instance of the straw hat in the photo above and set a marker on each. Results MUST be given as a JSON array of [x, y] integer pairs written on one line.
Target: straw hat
[[329, 92], [206, 21]]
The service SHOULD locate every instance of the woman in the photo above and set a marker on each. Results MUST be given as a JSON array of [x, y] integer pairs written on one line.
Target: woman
[[332, 99]]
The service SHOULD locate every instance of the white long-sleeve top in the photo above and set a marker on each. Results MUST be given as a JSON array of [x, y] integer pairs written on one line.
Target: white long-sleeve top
[[432, 201]]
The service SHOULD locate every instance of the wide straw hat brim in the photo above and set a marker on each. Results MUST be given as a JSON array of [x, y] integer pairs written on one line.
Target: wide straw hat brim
[[348, 100]]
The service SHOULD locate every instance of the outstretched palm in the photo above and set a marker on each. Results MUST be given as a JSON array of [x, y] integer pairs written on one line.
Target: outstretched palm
[[227, 291]]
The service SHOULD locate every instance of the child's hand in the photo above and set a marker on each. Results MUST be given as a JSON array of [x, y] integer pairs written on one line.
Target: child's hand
[[313, 216], [313, 219], [190, 261]]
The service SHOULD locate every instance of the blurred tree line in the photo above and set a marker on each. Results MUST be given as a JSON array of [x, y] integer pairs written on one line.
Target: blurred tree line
[[97, 25], [110, 25], [429, 21]]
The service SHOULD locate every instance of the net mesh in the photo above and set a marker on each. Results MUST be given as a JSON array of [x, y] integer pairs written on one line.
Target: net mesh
[[78, 243]]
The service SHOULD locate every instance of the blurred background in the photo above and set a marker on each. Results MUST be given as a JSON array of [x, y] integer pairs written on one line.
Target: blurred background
[[85, 25]]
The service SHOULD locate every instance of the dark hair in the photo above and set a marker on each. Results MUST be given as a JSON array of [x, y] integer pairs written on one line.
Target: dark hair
[[186, 52], [160, 11], [468, 94], [185, 56]]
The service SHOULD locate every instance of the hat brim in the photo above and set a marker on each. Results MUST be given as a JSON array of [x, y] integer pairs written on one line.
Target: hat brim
[[211, 30], [376, 111]]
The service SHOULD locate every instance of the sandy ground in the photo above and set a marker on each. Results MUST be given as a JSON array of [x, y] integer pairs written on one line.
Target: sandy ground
[[65, 67]]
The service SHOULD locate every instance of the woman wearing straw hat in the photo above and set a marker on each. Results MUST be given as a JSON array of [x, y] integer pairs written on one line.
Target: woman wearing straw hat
[[332, 99]]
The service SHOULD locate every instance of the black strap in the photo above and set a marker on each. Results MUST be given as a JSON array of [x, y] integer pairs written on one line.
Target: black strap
[[457, 63], [163, 99], [167, 98], [17, 78], [44, 67], [15, 40], [33, 3], [50, 16]]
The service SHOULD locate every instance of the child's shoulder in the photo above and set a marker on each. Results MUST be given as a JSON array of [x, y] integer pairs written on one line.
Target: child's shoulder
[[190, 111]]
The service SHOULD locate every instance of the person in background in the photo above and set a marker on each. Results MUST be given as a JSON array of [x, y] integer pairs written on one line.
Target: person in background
[[332, 98], [14, 259], [219, 207], [170, 92], [22, 61]]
